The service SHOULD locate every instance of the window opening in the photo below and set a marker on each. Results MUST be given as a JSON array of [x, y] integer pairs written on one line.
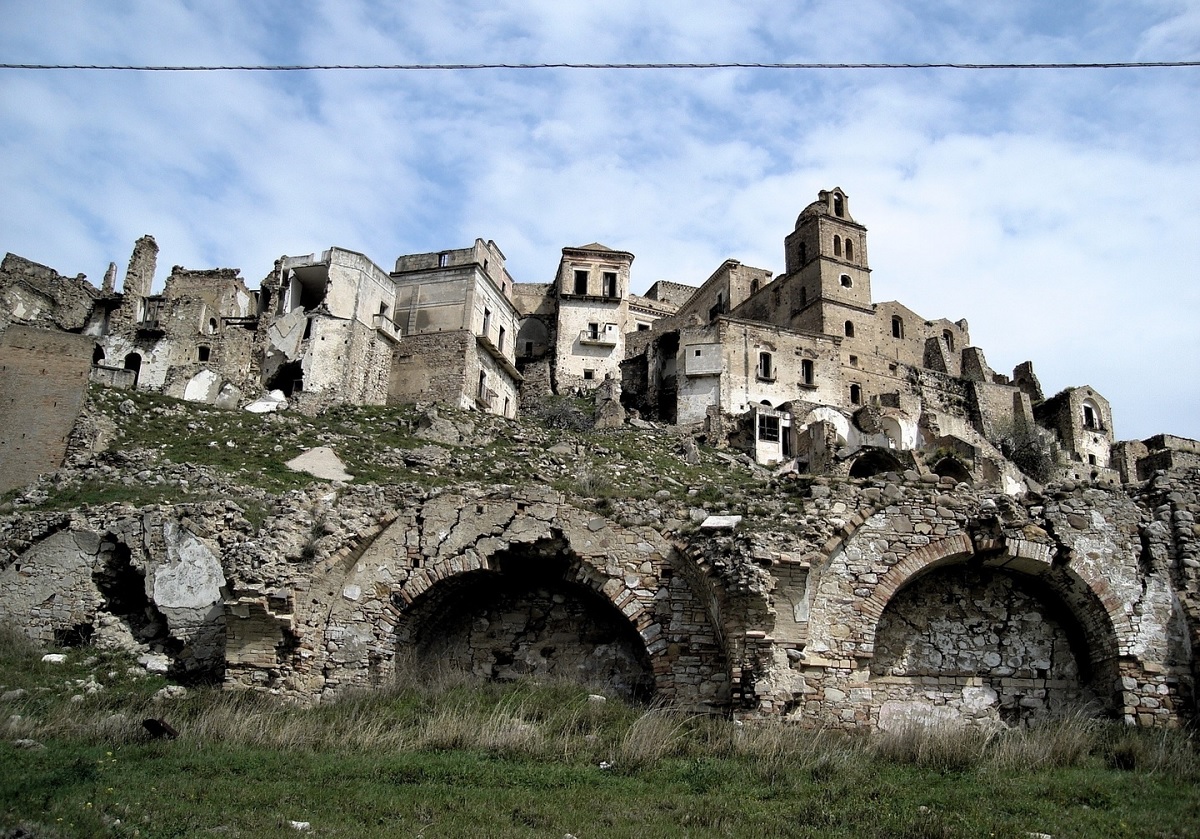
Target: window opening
[[897, 327], [97, 354], [803, 297], [593, 330], [839, 206], [768, 428], [500, 340], [853, 361], [643, 327], [849, 329], [849, 248], [487, 321], [212, 326], [482, 384], [610, 284], [846, 281], [507, 403], [581, 282], [202, 353], [753, 286], [803, 252], [1089, 417], [948, 337], [133, 362], [765, 369], [855, 395], [837, 245], [443, 260], [806, 371], [529, 348], [589, 375]]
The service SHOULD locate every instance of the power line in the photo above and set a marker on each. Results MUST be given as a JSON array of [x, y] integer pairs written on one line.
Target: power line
[[196, 68]]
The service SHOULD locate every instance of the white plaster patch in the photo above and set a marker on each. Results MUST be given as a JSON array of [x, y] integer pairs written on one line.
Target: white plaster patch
[[202, 387]]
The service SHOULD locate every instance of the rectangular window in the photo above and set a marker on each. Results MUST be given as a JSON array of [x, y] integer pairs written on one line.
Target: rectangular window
[[529, 348], [765, 367], [443, 260], [500, 340], [610, 284], [643, 327], [487, 321], [581, 282], [593, 330], [768, 429], [589, 375], [806, 371]]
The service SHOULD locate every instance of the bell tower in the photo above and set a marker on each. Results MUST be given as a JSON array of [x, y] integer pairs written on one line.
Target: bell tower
[[826, 260]]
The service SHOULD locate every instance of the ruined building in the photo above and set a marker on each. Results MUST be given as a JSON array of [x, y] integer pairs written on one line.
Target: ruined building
[[925, 538]]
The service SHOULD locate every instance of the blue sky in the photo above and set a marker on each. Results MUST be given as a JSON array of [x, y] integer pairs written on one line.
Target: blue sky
[[1057, 211]]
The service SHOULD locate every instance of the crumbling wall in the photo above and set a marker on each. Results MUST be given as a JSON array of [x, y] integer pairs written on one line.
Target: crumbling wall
[[43, 380]]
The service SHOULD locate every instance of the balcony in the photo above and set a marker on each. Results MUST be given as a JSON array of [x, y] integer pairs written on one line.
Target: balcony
[[387, 327], [500, 358], [606, 337], [485, 398]]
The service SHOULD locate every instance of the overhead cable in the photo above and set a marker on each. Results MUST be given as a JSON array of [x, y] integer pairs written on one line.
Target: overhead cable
[[196, 68]]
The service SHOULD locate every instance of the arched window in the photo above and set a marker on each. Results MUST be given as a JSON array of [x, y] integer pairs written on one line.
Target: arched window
[[753, 286], [1091, 415], [98, 355], [846, 281], [839, 206], [212, 326], [837, 245], [849, 248], [897, 326], [849, 329], [855, 395], [133, 362]]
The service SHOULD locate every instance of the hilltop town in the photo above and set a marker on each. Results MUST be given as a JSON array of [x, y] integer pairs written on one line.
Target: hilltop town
[[918, 535]]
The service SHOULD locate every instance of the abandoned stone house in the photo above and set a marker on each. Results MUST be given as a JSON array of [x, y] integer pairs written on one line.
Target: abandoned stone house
[[802, 370]]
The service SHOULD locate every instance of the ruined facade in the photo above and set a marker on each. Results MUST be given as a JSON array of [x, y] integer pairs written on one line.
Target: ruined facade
[[932, 540]]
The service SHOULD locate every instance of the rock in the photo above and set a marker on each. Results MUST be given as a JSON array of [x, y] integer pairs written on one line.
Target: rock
[[426, 457], [321, 462], [720, 522], [127, 407], [155, 662], [171, 692], [26, 743], [12, 695], [300, 825], [273, 401], [54, 658], [596, 699]]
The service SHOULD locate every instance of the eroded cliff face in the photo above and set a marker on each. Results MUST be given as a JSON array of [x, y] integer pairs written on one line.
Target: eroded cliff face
[[832, 603]]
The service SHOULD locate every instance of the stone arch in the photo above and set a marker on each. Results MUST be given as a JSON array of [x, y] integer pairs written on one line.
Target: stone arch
[[952, 467], [446, 554], [531, 611], [874, 461], [1103, 627]]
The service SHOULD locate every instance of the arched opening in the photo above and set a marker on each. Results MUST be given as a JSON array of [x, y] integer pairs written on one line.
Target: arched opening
[[526, 617], [837, 245], [855, 394], [839, 205], [846, 281], [874, 462], [951, 467], [849, 248], [133, 362], [98, 354], [974, 644], [212, 326]]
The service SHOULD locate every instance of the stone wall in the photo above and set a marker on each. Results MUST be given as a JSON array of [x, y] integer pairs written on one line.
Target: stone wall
[[43, 380], [849, 604]]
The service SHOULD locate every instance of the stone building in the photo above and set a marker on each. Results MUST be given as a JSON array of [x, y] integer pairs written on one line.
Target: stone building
[[455, 309]]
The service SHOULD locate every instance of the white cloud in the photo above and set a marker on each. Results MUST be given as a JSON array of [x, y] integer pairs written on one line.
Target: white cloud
[[1053, 210]]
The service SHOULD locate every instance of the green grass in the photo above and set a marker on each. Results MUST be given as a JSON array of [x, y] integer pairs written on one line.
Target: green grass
[[439, 757]]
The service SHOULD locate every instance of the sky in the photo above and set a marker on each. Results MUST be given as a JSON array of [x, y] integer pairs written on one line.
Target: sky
[[1058, 211]]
